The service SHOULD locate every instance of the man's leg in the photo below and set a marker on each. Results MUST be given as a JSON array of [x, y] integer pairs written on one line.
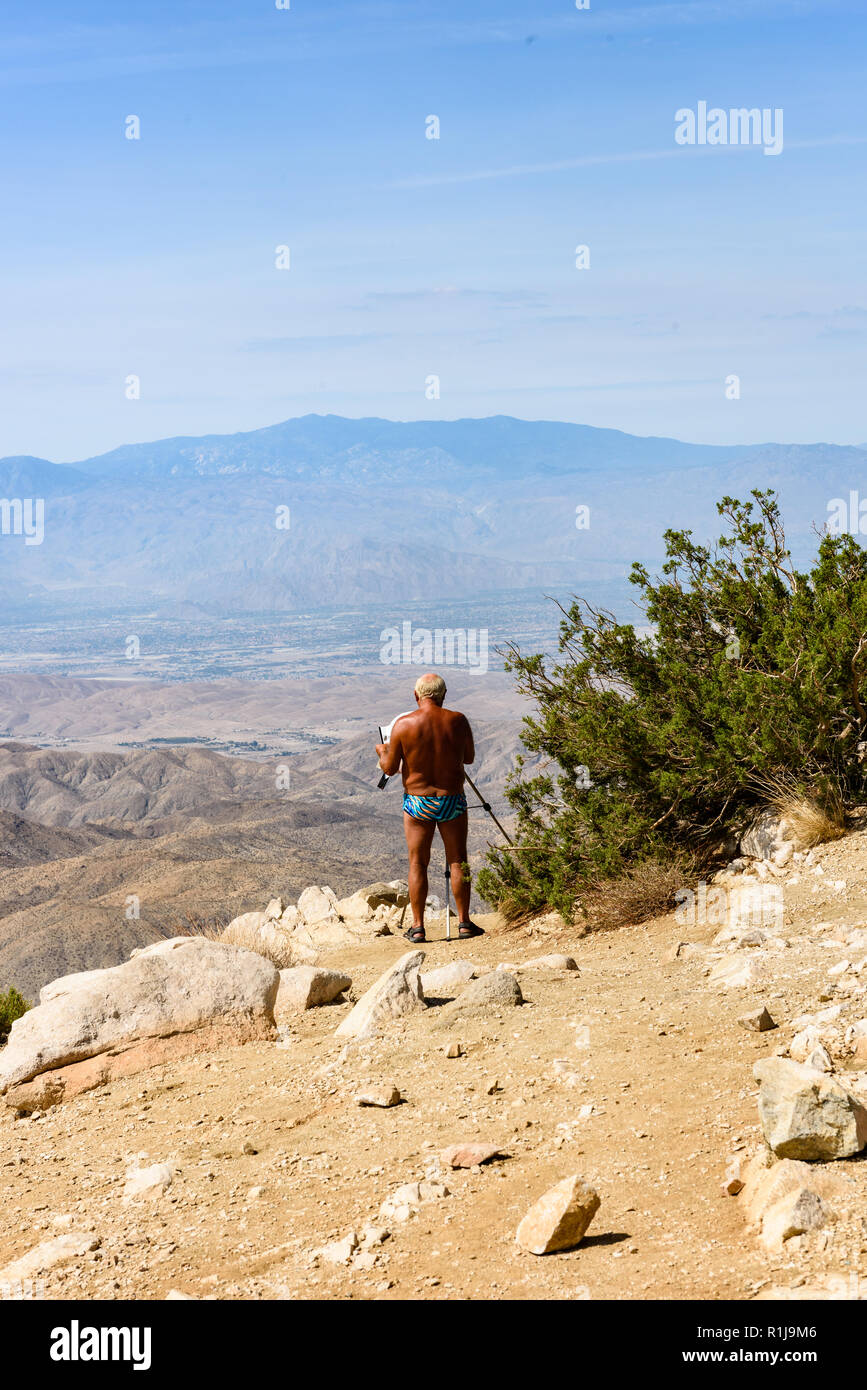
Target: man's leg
[[419, 837], [454, 833]]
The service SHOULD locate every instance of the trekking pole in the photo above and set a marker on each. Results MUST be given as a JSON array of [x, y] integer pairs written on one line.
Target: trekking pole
[[486, 805], [448, 910]]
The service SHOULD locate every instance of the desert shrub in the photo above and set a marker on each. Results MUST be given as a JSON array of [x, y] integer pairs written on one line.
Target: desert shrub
[[812, 818], [644, 890], [659, 738], [12, 1006]]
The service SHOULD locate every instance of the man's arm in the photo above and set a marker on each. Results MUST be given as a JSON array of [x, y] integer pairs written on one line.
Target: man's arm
[[390, 755], [469, 745]]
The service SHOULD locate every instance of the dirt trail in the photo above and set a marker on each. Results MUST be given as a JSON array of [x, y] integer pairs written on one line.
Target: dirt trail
[[666, 1069]]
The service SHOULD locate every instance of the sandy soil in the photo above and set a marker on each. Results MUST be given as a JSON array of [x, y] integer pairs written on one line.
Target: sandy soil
[[663, 1063]]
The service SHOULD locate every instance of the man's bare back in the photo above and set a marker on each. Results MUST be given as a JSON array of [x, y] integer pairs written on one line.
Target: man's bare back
[[430, 746]]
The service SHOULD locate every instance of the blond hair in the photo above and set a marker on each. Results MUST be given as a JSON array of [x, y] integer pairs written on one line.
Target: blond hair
[[431, 687]]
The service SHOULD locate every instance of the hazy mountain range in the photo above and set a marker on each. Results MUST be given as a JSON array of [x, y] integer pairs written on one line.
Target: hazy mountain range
[[380, 509]]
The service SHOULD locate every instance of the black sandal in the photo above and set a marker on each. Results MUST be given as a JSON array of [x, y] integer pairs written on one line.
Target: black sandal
[[415, 935], [467, 930]]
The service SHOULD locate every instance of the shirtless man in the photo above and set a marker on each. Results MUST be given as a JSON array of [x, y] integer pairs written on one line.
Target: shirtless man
[[430, 747]]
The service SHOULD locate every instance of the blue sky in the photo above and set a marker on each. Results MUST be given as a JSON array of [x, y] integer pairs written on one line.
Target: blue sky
[[413, 257]]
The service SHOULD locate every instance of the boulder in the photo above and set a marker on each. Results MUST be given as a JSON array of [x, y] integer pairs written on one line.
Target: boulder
[[254, 931], [765, 837], [806, 1114], [820, 1059], [333, 930], [365, 902], [448, 977], [738, 971], [318, 905], [307, 986], [397, 992], [172, 999], [804, 1042], [488, 994], [766, 1183], [559, 1219], [793, 1215]]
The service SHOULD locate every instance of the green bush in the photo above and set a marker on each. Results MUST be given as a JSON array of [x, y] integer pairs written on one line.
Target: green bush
[[747, 673], [12, 1006]]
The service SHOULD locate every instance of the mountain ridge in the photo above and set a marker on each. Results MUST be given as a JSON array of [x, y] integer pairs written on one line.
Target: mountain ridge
[[326, 510]]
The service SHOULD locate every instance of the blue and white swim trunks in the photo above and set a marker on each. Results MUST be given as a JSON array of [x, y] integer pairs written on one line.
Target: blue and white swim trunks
[[436, 808]]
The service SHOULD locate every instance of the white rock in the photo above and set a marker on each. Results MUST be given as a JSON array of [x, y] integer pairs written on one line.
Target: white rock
[[829, 1015], [150, 1181], [804, 1042], [317, 905], [819, 1059], [49, 1253], [489, 993], [397, 992], [339, 1252], [806, 1114], [738, 971], [555, 960], [447, 977], [175, 986], [766, 836], [306, 987], [794, 1214], [367, 901], [559, 1219], [381, 1097], [406, 1200], [273, 940]]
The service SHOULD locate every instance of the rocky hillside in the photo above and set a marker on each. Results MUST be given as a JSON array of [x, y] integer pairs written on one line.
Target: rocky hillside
[[122, 789], [692, 1097], [102, 852]]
